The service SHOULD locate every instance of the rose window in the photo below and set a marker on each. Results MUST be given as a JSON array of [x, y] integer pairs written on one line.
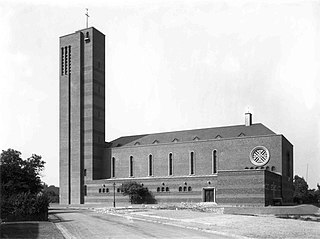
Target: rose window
[[259, 156]]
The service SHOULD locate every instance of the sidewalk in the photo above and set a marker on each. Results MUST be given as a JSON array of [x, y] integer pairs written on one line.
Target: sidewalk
[[234, 226]]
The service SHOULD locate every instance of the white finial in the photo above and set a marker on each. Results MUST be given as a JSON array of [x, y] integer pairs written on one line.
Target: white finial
[[87, 14]]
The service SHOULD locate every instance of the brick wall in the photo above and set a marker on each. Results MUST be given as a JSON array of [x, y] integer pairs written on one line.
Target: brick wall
[[232, 154]]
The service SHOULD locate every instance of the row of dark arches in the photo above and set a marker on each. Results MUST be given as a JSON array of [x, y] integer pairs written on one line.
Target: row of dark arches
[[273, 168], [159, 189]]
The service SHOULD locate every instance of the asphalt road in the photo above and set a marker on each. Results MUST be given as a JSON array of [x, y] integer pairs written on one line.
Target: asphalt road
[[89, 224]]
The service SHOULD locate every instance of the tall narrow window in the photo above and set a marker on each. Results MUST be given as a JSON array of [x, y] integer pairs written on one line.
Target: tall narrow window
[[62, 61], [113, 166], [131, 166], [288, 166], [170, 165], [65, 60], [85, 190], [191, 163], [214, 161], [69, 67], [150, 165]]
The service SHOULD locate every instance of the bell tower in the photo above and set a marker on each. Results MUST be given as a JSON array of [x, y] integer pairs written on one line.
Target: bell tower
[[82, 112]]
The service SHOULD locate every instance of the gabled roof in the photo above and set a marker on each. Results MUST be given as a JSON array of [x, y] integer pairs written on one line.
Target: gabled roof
[[189, 135]]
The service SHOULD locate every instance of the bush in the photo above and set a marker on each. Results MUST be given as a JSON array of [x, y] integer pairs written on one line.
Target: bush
[[137, 193], [25, 207]]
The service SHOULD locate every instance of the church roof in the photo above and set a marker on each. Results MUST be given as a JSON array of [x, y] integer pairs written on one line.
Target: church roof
[[193, 135]]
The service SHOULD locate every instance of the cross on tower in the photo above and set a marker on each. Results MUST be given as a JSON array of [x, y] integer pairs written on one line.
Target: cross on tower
[[87, 15]]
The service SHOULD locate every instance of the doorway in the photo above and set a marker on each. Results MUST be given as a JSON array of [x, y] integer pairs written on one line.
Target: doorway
[[209, 195]]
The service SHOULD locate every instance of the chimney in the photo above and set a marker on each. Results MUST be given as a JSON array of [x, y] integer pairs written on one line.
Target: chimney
[[248, 119]]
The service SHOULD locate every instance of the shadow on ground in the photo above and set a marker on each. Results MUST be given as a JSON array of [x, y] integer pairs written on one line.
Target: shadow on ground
[[29, 230]]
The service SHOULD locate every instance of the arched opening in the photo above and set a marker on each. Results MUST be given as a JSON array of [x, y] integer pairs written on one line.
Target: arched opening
[[150, 165], [170, 165], [131, 166], [113, 166], [191, 163], [214, 161]]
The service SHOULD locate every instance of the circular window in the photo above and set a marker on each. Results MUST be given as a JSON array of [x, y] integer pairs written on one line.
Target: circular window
[[259, 156]]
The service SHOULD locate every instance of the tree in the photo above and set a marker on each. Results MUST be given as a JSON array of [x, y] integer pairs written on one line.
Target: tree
[[18, 175], [21, 186], [52, 192], [137, 193], [300, 194]]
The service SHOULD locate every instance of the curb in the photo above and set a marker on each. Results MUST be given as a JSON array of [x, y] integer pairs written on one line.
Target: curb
[[55, 220]]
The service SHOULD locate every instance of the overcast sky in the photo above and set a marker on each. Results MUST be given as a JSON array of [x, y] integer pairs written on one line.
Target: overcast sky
[[171, 65]]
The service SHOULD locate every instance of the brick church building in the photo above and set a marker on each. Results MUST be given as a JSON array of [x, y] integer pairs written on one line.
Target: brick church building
[[245, 164]]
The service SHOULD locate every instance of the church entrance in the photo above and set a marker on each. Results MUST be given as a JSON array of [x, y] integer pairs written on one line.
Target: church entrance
[[209, 195]]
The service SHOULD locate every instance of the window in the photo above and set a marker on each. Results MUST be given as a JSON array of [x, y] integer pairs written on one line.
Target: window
[[118, 190], [273, 168], [150, 165], [214, 161], [189, 189], [62, 61], [131, 166], [85, 190], [191, 163], [87, 39], [85, 172], [180, 189], [158, 189], [185, 188], [268, 168], [113, 166], [288, 165], [103, 190], [167, 189], [69, 60], [65, 60], [170, 165], [99, 190], [107, 190], [162, 189]]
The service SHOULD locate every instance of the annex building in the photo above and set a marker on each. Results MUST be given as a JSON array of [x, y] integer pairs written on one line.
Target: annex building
[[246, 164]]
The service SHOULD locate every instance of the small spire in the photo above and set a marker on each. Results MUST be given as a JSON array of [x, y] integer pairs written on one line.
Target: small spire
[[87, 17]]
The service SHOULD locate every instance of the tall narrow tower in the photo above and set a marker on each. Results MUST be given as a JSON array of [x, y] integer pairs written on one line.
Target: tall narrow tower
[[82, 112]]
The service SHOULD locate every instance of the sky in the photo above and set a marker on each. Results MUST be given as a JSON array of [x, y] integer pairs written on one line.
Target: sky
[[170, 65]]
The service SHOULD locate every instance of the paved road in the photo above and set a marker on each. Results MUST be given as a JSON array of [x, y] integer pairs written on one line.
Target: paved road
[[89, 224]]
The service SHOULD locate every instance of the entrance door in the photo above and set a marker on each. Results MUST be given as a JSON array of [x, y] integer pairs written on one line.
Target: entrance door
[[209, 195]]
